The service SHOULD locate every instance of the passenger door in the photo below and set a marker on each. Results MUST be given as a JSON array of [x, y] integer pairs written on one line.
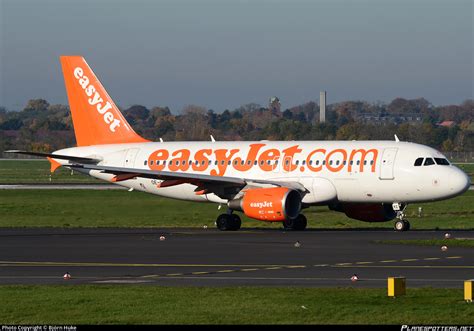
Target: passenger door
[[387, 163]]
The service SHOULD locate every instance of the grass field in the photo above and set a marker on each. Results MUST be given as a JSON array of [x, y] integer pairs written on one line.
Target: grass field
[[38, 172], [130, 304], [117, 208], [455, 242]]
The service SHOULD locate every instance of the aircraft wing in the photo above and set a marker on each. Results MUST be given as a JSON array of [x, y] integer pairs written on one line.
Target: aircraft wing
[[85, 160], [223, 186]]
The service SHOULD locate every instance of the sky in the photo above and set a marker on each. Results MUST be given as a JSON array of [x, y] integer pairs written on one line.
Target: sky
[[224, 54]]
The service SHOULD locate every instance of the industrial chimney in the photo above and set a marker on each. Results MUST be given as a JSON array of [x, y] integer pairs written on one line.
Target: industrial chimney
[[322, 106]]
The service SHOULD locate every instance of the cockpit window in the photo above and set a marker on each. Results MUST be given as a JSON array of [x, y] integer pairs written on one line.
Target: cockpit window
[[428, 161], [418, 162], [441, 161]]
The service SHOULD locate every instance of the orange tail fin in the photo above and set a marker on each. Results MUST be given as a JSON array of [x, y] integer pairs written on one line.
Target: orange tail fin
[[96, 118]]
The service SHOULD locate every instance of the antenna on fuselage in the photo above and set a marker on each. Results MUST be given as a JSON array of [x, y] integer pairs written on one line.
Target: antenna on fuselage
[[161, 140], [212, 139], [396, 138]]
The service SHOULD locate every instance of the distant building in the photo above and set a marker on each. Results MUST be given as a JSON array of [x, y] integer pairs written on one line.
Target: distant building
[[383, 118], [447, 124], [274, 104]]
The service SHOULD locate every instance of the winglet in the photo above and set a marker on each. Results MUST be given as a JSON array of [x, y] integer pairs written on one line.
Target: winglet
[[54, 164]]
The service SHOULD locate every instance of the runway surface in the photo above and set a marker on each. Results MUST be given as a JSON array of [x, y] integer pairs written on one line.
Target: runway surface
[[208, 257]]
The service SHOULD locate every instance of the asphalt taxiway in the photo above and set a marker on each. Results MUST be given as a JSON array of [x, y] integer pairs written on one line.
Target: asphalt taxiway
[[208, 257]]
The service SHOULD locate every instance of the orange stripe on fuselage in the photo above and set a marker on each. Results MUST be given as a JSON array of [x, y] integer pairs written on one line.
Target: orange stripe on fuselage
[[257, 157]]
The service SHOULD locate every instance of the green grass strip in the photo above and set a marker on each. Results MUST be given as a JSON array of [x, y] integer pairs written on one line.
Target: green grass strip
[[431, 242], [132, 304]]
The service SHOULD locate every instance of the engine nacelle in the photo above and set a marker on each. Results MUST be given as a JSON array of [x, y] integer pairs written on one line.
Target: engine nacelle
[[269, 204], [367, 212]]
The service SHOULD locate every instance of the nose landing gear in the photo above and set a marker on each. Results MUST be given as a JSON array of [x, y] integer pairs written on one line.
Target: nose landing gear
[[401, 224]]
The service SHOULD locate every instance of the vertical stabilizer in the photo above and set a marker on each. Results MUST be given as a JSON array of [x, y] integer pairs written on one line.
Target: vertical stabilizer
[[96, 118]]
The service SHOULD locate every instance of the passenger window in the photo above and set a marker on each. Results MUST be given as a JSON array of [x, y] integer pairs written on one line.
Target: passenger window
[[358, 162], [144, 163], [441, 161], [255, 162], [337, 162], [372, 162], [151, 162], [317, 162], [262, 162], [418, 162], [297, 162], [428, 161]]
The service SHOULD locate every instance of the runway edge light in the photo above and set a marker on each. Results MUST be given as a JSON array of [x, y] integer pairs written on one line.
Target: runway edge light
[[396, 286], [468, 289]]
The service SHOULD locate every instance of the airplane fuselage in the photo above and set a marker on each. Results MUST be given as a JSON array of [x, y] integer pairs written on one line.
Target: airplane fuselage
[[346, 171]]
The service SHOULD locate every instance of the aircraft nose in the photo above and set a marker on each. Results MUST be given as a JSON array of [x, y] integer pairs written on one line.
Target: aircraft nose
[[459, 182]]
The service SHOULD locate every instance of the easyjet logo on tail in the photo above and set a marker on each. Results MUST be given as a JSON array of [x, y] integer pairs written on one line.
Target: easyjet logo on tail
[[96, 100]]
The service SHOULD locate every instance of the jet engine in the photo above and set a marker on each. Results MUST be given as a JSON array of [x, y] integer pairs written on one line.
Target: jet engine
[[269, 204], [367, 212]]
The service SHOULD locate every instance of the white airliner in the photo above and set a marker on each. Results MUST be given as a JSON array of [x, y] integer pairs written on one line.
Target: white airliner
[[271, 181]]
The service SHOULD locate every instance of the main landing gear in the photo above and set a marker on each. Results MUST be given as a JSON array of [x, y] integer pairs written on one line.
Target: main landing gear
[[228, 222], [297, 224], [401, 224]]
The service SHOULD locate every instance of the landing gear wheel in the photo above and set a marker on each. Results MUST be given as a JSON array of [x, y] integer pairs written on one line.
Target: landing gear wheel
[[236, 222], [402, 225], [228, 222], [297, 224]]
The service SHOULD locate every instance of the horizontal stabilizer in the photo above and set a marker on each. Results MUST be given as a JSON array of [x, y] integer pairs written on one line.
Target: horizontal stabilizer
[[83, 160]]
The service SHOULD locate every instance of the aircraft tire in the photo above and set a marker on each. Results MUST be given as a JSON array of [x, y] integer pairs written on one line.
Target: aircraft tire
[[297, 224], [226, 222], [401, 225], [236, 222], [223, 222]]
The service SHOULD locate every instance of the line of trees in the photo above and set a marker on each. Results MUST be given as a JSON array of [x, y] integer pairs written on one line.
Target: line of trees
[[41, 126]]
